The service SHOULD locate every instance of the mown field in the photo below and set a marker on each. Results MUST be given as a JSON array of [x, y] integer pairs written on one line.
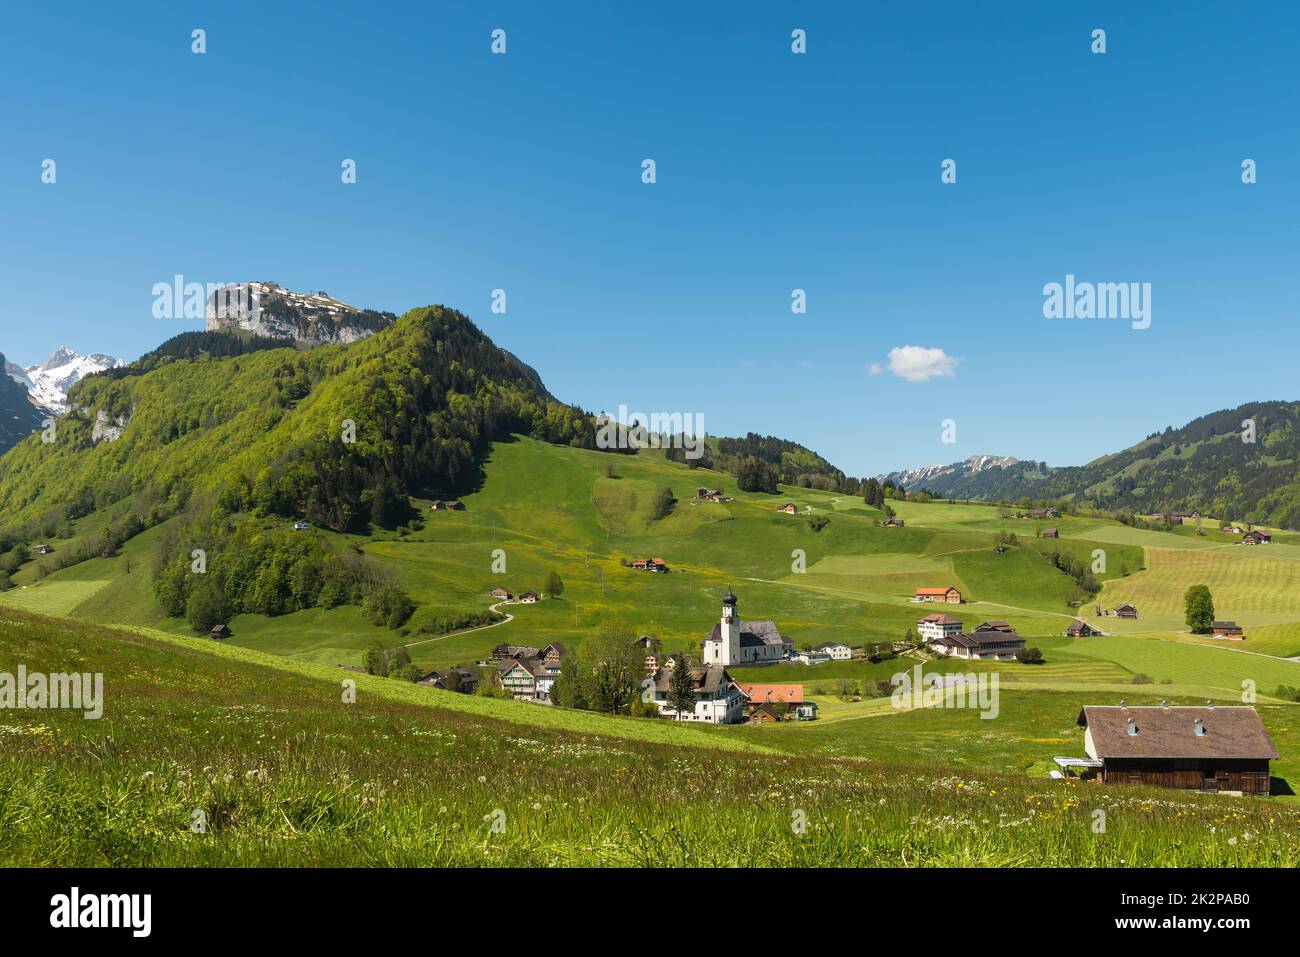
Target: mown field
[[282, 771]]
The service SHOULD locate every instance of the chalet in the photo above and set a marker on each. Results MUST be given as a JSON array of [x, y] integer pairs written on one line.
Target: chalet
[[650, 565], [458, 679], [985, 643], [717, 699], [1256, 538], [763, 714], [789, 508], [893, 523], [950, 595], [650, 647], [1036, 513], [552, 653], [501, 593], [936, 626], [734, 642], [504, 652], [785, 699], [1223, 749], [1080, 629], [1229, 630], [221, 631], [1178, 518], [528, 598], [1232, 529], [530, 677], [444, 505], [1126, 611], [43, 549], [837, 650], [1051, 533], [518, 678], [711, 495]]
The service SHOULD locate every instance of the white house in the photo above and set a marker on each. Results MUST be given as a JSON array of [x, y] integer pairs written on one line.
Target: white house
[[811, 658], [936, 626], [734, 642], [988, 642], [717, 699], [836, 649]]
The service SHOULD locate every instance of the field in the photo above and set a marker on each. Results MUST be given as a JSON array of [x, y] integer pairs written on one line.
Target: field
[[942, 774], [211, 755]]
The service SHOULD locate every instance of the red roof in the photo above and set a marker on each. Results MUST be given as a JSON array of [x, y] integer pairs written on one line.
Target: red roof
[[790, 694], [935, 591]]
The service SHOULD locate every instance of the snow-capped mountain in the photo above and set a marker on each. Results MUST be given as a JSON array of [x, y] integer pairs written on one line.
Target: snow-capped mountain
[[909, 478], [49, 382]]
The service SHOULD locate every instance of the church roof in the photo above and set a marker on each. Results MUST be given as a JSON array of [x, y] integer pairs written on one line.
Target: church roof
[[752, 633]]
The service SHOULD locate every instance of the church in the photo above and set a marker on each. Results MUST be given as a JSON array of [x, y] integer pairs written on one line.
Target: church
[[736, 642]]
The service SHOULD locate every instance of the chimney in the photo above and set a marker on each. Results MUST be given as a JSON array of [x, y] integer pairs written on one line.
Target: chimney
[[1132, 727], [1200, 728]]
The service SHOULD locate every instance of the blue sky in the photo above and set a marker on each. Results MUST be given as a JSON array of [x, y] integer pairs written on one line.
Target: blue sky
[[775, 171]]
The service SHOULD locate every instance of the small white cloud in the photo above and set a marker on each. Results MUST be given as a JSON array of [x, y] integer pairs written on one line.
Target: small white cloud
[[919, 364], [874, 369]]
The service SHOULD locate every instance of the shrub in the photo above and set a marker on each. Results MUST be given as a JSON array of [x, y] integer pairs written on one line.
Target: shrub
[[1030, 656]]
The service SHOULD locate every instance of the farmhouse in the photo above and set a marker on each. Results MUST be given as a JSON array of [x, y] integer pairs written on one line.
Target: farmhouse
[[1080, 629], [950, 595], [650, 565], [528, 598], [734, 642], [1256, 538], [501, 593], [530, 674], [221, 631], [504, 651], [783, 702], [1178, 518], [1051, 533], [711, 495], [1233, 529], [1229, 630], [788, 508], [43, 549], [937, 625], [717, 699], [1207, 748], [653, 659], [836, 649], [458, 679], [441, 505], [1126, 611], [893, 523], [991, 641]]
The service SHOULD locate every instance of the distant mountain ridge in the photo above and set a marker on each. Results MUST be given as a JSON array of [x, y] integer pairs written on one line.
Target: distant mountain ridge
[[19, 415], [1239, 464], [268, 310]]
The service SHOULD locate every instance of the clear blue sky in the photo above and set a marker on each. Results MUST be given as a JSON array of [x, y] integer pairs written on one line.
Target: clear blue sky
[[775, 171]]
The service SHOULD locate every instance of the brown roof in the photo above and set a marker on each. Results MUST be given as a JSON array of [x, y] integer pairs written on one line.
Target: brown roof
[[1230, 732], [941, 619]]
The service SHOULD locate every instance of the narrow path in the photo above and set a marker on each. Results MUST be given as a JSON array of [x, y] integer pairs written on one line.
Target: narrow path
[[465, 631]]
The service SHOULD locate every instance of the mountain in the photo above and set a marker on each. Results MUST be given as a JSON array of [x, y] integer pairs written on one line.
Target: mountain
[[19, 416], [270, 311], [337, 434], [49, 382], [1214, 464]]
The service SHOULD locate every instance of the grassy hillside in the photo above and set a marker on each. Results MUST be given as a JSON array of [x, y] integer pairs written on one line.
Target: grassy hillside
[[281, 771]]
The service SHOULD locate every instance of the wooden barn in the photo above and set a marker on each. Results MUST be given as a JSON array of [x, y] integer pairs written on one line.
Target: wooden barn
[[1195, 748]]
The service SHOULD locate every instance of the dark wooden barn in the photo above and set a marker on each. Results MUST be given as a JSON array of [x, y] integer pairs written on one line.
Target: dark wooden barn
[[1195, 748]]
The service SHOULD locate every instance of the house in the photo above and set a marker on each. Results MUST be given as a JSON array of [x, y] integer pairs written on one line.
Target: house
[[528, 598], [788, 508], [734, 642], [837, 650], [552, 653], [789, 694], [1080, 629], [935, 626], [504, 651], [811, 658], [1232, 529], [1222, 749], [43, 549], [763, 714], [1051, 533], [501, 593], [650, 565], [711, 495], [1229, 630], [441, 505], [462, 680], [893, 523], [805, 711], [1036, 513], [300, 526], [950, 595], [1256, 538], [517, 677], [650, 646], [1126, 611], [991, 641], [221, 631], [717, 699]]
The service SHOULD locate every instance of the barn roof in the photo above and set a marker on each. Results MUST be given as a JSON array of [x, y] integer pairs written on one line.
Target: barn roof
[[1230, 732]]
